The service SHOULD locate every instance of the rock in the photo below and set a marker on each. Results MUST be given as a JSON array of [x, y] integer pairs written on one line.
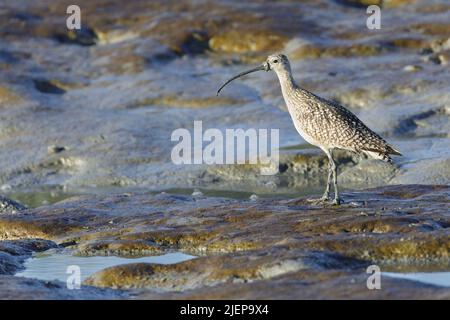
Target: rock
[[8, 263], [412, 68], [196, 42], [26, 247], [182, 102], [56, 149], [128, 248], [85, 36], [409, 43], [115, 35], [14, 252], [441, 58], [15, 288], [48, 86], [434, 8], [216, 270], [313, 51], [241, 41], [432, 28], [310, 285], [303, 169], [197, 193], [10, 206], [440, 45]]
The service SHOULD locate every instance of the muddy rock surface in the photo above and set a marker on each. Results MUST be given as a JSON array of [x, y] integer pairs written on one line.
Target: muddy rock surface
[[15, 288], [261, 248]]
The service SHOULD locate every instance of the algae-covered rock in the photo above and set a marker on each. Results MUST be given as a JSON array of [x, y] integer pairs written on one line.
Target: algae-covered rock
[[410, 43], [432, 28], [181, 102], [242, 41], [118, 247], [209, 271], [317, 51]]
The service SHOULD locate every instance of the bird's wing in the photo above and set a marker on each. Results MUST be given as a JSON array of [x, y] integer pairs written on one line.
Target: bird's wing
[[357, 134]]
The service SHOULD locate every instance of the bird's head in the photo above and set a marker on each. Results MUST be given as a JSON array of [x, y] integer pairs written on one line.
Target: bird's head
[[276, 62]]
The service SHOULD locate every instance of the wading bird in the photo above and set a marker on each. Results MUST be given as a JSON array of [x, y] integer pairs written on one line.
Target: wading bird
[[324, 123]]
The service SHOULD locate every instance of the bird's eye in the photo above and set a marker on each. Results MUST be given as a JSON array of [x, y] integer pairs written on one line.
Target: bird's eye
[[275, 61]]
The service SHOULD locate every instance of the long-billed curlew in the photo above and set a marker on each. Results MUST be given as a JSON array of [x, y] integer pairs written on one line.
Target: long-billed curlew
[[324, 123]]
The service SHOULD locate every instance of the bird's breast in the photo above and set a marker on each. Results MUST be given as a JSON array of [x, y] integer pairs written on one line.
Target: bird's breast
[[301, 124]]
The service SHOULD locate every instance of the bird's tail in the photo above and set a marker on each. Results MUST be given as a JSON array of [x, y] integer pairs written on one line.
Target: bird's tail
[[382, 155]]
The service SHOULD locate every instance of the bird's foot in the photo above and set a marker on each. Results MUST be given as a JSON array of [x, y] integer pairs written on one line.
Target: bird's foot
[[337, 201], [320, 200]]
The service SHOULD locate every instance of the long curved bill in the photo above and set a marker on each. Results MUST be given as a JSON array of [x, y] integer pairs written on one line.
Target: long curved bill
[[262, 67]]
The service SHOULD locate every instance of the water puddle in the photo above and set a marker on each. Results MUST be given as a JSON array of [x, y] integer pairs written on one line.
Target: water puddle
[[54, 266], [37, 198], [435, 278]]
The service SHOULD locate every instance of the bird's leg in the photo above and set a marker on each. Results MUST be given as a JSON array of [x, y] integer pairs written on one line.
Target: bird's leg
[[326, 194], [336, 199]]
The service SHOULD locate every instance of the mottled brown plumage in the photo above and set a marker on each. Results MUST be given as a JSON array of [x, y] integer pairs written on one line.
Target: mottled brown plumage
[[327, 124], [324, 123]]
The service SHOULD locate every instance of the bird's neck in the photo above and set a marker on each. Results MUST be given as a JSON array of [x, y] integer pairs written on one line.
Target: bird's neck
[[286, 80], [288, 86]]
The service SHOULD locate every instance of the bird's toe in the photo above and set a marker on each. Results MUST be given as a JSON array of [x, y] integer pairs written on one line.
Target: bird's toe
[[337, 201]]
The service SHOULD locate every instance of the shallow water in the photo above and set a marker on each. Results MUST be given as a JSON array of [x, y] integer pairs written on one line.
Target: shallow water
[[435, 278], [33, 198], [54, 266], [37, 198]]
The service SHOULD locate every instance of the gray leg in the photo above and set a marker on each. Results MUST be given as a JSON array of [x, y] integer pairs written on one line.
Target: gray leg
[[326, 194], [336, 200]]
